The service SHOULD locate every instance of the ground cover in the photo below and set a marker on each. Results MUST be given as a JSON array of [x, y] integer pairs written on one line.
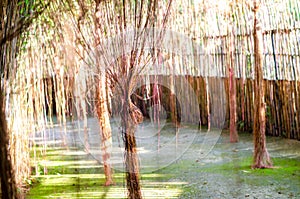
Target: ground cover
[[224, 172]]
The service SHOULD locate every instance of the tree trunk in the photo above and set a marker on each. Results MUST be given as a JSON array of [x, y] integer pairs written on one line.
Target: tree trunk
[[105, 129], [173, 108], [8, 185], [232, 87], [101, 104], [130, 117], [261, 156], [207, 103], [8, 10]]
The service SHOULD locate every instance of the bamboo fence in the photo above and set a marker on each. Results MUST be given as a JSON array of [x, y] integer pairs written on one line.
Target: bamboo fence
[[280, 24]]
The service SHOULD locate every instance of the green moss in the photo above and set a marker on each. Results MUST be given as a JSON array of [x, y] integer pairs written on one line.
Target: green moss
[[85, 185], [72, 174], [285, 170]]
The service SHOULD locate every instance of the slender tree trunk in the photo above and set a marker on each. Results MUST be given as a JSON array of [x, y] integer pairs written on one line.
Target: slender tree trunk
[[105, 129], [242, 84], [131, 116], [173, 108], [80, 93], [101, 106], [261, 156], [232, 86], [207, 103], [8, 185]]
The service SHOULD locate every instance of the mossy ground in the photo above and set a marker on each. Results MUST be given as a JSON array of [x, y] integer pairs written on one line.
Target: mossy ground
[[224, 173]]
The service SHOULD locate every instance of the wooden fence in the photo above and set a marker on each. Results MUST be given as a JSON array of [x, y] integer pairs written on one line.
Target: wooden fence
[[282, 100]]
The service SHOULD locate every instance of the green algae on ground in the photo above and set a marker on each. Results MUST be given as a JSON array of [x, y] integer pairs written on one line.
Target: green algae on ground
[[70, 174], [92, 186], [224, 173]]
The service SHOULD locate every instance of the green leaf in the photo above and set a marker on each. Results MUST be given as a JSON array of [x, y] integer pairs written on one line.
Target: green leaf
[[20, 3]]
